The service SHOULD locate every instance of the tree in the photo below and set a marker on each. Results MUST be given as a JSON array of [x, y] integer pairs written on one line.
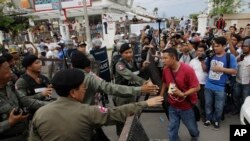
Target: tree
[[13, 22], [224, 6]]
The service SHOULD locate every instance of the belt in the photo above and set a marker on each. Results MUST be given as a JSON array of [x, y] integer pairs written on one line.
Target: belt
[[2, 136]]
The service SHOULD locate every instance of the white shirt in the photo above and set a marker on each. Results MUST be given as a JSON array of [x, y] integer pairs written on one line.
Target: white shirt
[[185, 58], [200, 74], [105, 18], [243, 75], [51, 46], [182, 24]]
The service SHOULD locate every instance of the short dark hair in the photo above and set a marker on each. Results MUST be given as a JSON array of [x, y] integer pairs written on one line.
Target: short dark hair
[[220, 40], [2, 60], [8, 57], [247, 37], [66, 80], [172, 52], [202, 46], [237, 36], [80, 60], [233, 27]]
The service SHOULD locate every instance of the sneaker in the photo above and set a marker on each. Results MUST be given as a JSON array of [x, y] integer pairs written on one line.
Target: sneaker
[[207, 123], [216, 125]]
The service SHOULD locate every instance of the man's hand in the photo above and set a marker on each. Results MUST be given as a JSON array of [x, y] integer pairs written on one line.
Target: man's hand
[[178, 93], [47, 92], [145, 64], [154, 101], [13, 119], [149, 87], [217, 68]]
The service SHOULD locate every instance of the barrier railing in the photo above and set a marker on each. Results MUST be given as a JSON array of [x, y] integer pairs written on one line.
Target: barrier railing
[[133, 130]]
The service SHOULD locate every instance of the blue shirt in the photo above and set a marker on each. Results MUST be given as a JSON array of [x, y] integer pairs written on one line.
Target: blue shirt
[[217, 80]]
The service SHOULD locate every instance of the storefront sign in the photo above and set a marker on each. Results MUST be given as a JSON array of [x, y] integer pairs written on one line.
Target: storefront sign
[[46, 5]]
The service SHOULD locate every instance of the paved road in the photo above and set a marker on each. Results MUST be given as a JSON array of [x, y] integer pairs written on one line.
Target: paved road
[[155, 125]]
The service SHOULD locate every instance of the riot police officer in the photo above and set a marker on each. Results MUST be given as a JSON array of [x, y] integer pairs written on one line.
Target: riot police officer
[[127, 73], [33, 83], [74, 120], [13, 120]]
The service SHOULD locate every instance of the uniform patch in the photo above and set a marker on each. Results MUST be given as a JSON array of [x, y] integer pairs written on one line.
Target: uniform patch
[[121, 67], [103, 109], [16, 87]]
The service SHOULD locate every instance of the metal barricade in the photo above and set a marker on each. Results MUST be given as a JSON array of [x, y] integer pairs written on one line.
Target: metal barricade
[[133, 130], [51, 66]]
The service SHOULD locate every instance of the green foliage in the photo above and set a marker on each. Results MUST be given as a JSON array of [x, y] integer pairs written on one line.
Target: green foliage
[[224, 6], [13, 23], [193, 16]]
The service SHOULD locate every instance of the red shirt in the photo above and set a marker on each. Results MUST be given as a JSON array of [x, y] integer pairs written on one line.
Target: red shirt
[[185, 79]]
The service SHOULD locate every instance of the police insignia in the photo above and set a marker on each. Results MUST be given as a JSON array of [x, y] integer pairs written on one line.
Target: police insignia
[[121, 67], [103, 109]]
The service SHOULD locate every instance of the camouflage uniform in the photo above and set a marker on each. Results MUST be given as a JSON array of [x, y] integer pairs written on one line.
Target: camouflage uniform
[[126, 74], [96, 84], [28, 88], [10, 99], [79, 120]]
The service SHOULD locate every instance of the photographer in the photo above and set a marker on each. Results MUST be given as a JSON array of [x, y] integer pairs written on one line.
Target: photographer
[[13, 120], [219, 67], [198, 64]]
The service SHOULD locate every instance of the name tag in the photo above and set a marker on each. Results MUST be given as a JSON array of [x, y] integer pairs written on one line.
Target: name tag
[[136, 72], [39, 90]]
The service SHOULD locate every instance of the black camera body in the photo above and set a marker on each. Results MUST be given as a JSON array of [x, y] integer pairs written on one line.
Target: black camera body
[[19, 110], [242, 56], [210, 53], [202, 57]]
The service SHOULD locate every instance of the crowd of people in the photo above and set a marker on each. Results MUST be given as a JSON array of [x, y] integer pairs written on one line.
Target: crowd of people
[[181, 66]]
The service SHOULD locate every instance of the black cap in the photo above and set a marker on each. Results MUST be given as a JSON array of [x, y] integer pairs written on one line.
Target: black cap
[[79, 60], [66, 80], [124, 47], [29, 60], [8, 57]]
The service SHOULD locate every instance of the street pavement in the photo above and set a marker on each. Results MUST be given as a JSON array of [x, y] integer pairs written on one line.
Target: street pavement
[[155, 125]]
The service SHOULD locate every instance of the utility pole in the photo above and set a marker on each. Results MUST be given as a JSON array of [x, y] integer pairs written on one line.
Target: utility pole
[[86, 18], [63, 29]]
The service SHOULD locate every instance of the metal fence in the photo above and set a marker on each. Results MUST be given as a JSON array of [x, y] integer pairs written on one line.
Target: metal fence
[[133, 130], [51, 66]]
